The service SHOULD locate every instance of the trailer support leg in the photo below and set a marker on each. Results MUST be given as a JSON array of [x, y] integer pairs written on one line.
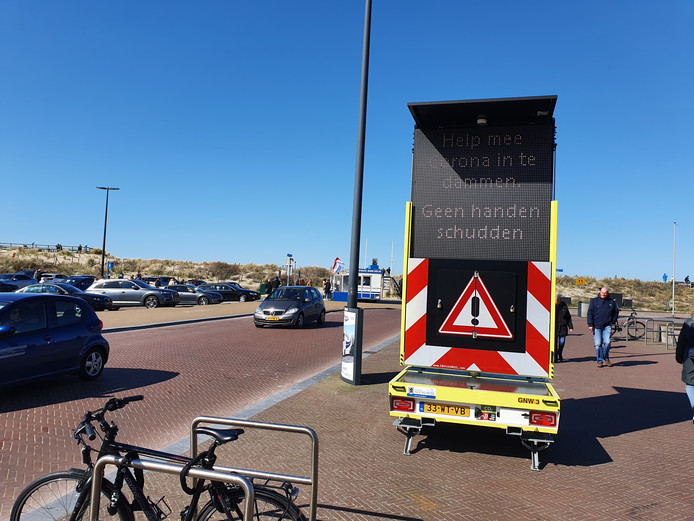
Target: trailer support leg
[[410, 427], [535, 444]]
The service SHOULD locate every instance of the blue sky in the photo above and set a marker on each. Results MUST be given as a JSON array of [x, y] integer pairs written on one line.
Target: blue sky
[[231, 127]]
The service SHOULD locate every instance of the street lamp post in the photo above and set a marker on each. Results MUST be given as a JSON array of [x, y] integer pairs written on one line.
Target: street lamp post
[[103, 247], [674, 248]]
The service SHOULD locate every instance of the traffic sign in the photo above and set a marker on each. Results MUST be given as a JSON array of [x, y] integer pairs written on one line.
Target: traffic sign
[[475, 314], [580, 282]]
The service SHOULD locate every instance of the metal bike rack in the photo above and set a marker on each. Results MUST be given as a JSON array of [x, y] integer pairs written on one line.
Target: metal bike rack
[[168, 468], [312, 480], [654, 328]]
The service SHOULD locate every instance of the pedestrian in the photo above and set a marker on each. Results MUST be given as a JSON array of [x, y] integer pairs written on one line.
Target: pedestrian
[[562, 327], [684, 354], [276, 283], [328, 289], [602, 313]]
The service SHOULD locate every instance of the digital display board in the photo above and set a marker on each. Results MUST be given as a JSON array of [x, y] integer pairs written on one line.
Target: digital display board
[[483, 192]]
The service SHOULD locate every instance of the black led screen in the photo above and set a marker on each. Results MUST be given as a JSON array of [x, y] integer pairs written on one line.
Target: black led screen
[[483, 192]]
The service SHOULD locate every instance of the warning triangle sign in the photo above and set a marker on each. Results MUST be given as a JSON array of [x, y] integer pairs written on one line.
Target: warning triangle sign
[[475, 314]]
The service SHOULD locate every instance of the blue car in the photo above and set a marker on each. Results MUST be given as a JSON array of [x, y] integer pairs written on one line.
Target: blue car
[[45, 335]]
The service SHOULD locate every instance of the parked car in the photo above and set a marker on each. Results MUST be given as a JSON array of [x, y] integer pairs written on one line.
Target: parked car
[[290, 306], [230, 292], [96, 302], [17, 279], [196, 282], [7, 288], [253, 295], [189, 294], [81, 281], [53, 277], [28, 273], [44, 335], [124, 292]]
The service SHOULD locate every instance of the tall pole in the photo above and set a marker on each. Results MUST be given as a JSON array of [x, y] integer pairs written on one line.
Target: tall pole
[[674, 246], [359, 171], [103, 247]]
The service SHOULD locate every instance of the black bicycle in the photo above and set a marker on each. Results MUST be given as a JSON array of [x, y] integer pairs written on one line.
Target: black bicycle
[[66, 495], [635, 329]]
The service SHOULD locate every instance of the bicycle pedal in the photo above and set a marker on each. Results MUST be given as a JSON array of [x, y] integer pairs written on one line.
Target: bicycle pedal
[[157, 507]]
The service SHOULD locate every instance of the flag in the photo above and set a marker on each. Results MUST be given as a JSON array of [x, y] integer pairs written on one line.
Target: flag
[[337, 265]]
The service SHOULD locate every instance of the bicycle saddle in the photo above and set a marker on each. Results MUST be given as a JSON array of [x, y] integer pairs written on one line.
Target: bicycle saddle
[[221, 435]]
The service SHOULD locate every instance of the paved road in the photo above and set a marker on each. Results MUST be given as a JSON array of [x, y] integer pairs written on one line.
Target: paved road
[[212, 368]]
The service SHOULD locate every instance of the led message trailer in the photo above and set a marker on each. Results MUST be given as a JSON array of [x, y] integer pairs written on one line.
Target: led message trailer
[[483, 192]]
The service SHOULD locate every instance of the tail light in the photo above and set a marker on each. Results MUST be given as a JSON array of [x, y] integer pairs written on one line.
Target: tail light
[[543, 419], [401, 404], [101, 325]]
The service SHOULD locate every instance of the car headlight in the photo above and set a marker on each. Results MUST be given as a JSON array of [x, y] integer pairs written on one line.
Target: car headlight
[[291, 311], [259, 312]]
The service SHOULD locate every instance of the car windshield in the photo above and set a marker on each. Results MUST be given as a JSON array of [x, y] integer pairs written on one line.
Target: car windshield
[[141, 284], [286, 294]]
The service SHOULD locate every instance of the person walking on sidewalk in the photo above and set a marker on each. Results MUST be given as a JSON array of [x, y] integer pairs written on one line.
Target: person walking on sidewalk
[[684, 354], [602, 313], [562, 326]]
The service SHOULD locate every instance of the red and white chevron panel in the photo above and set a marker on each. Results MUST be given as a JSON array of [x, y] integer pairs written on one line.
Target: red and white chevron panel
[[533, 362]]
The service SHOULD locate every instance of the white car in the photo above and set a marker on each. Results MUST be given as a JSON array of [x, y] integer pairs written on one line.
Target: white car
[[53, 277]]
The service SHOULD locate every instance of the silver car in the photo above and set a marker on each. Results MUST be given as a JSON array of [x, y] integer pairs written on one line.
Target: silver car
[[124, 292], [291, 306], [189, 294]]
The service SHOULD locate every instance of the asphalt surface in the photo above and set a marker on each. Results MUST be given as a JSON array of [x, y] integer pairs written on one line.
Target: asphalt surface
[[622, 452]]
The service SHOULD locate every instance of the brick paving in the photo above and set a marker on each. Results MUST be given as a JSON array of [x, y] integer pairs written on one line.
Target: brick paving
[[621, 452]]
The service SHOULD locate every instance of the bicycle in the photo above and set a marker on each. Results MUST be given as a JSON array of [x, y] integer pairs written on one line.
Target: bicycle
[[635, 329], [66, 495]]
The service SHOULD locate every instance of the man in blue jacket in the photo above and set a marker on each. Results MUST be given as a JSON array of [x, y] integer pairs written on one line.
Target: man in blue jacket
[[602, 313]]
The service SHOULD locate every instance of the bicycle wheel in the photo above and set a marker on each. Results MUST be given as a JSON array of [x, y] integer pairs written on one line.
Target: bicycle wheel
[[54, 496], [268, 505], [636, 330]]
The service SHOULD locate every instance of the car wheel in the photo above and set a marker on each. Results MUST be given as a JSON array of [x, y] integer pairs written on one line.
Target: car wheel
[[203, 301], [258, 325], [321, 317], [151, 302], [242, 298], [300, 321], [92, 364]]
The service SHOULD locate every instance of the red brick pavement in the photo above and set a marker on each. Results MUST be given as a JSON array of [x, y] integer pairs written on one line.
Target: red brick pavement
[[625, 435]]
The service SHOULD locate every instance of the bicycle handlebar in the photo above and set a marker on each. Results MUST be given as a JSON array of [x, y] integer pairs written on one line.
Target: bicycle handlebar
[[113, 404]]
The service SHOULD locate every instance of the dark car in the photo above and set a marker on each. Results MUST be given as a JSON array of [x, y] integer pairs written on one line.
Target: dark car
[[7, 288], [17, 279], [189, 294], [124, 292], [96, 302], [81, 281], [196, 282], [45, 335], [230, 292], [290, 306]]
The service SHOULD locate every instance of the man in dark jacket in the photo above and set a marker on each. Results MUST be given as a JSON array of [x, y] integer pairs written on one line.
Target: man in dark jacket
[[684, 354], [602, 313], [562, 326]]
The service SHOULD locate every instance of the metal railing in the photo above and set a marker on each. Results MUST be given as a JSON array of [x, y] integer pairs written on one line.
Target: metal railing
[[168, 468], [311, 480]]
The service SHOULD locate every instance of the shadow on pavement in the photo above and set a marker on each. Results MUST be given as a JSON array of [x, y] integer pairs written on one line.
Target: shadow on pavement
[[61, 389], [377, 515], [583, 423]]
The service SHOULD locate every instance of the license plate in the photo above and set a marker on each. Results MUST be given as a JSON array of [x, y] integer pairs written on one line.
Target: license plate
[[451, 410], [272, 318]]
